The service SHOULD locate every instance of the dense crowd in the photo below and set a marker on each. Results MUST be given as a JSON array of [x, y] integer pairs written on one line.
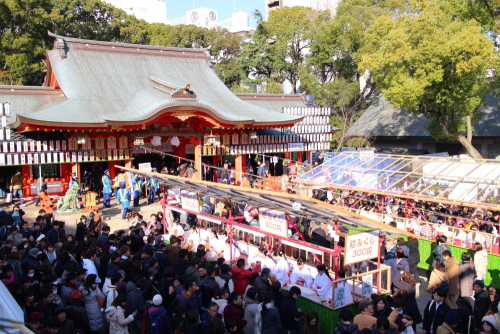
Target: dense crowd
[[130, 282]]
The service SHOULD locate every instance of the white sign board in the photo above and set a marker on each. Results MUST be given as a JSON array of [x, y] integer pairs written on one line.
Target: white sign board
[[295, 147], [174, 193], [361, 246], [189, 200], [273, 222], [145, 166]]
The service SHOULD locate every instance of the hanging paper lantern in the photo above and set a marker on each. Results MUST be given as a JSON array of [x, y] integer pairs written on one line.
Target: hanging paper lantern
[[156, 141], [175, 141]]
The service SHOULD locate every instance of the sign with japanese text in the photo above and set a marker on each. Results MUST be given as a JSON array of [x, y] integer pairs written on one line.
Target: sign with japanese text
[[174, 194], [145, 166], [361, 246], [189, 200], [72, 144], [273, 222], [123, 142], [295, 147], [111, 142], [99, 143]]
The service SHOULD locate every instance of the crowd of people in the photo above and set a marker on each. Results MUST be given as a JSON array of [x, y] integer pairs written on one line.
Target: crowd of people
[[118, 283], [130, 282]]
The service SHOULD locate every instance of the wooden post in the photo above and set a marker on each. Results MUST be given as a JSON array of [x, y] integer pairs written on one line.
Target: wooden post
[[238, 162], [197, 158]]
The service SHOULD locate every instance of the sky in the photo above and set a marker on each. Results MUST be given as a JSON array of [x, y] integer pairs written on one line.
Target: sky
[[176, 10]]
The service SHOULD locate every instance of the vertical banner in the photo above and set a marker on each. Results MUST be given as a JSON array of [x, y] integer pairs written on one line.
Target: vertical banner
[[42, 158], [85, 156], [32, 146], [55, 156], [273, 222], [49, 158], [58, 145], [61, 156]]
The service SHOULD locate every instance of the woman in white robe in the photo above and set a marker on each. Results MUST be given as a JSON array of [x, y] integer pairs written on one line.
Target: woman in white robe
[[281, 270], [194, 238], [226, 253], [301, 271], [266, 261], [215, 243], [322, 284]]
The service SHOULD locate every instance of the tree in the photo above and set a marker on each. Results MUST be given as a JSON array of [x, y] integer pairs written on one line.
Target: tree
[[433, 64], [331, 72], [292, 30]]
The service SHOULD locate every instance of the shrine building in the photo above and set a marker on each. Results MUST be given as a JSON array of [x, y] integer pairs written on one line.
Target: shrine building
[[104, 104]]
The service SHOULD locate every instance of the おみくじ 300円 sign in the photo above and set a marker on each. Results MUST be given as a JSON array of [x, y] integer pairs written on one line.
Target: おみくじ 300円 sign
[[361, 247], [189, 200], [273, 222]]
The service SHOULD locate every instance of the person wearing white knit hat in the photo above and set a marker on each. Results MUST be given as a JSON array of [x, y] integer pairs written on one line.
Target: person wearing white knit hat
[[489, 324]]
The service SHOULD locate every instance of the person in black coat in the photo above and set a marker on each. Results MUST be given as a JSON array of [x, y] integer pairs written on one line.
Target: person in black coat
[[115, 262], [380, 307], [278, 296], [162, 257], [406, 282], [192, 325], [261, 283], [435, 311], [414, 257], [481, 304], [289, 311], [181, 263]]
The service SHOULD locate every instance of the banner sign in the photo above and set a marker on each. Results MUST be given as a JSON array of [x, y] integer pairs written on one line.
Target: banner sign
[[361, 246], [273, 222], [145, 167], [295, 147], [189, 201]]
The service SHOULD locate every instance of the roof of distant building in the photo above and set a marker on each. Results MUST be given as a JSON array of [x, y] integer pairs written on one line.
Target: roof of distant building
[[382, 119]]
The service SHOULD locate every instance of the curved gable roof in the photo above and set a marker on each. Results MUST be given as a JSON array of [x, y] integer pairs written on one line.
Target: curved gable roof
[[110, 83]]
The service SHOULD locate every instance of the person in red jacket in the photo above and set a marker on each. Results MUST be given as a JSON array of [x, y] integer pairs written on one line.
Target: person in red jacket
[[242, 276], [233, 311]]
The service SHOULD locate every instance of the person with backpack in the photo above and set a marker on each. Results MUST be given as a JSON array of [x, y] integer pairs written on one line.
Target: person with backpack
[[178, 318], [439, 277], [158, 317], [118, 323], [440, 248], [225, 280]]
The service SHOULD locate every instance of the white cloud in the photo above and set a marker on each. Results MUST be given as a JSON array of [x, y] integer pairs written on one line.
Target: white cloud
[[227, 23], [176, 21]]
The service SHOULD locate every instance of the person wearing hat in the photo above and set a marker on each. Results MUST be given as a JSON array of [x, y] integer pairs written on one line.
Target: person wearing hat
[[35, 322], [67, 326], [76, 313], [451, 321], [154, 186], [489, 324], [31, 260], [123, 197], [74, 179], [106, 190], [137, 185], [365, 319], [482, 302]]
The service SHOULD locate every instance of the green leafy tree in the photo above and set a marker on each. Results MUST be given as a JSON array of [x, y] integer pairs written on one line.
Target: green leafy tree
[[292, 30], [432, 64]]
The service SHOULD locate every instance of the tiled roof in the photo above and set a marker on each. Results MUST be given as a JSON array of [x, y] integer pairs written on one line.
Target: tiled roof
[[382, 119], [274, 102], [112, 83]]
